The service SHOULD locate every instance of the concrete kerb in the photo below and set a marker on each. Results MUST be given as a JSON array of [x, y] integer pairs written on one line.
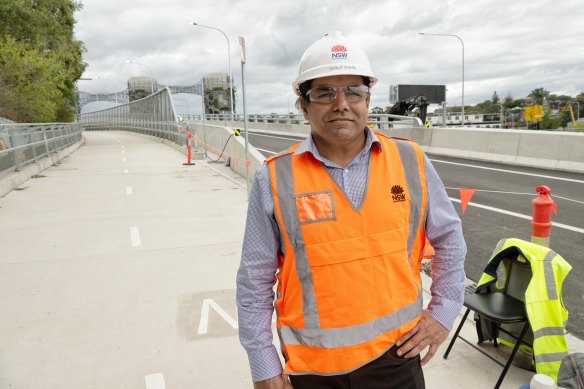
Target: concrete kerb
[[10, 180]]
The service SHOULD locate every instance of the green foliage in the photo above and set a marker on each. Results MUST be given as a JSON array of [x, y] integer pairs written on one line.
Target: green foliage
[[548, 122], [495, 98], [539, 95], [40, 60]]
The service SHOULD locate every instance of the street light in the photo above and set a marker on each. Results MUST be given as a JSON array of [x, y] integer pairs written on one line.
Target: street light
[[150, 70], [229, 61], [457, 37]]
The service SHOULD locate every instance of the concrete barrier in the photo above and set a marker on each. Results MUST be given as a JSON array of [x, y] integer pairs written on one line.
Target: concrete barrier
[[543, 149], [221, 137]]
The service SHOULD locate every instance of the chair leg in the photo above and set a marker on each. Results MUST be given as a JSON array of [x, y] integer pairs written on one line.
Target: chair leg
[[456, 333], [508, 364], [494, 334]]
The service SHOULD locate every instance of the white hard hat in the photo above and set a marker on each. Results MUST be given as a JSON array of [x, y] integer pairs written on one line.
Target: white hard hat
[[333, 55]]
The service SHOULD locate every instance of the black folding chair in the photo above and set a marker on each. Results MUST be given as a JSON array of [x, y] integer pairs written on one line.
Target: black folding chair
[[501, 306]]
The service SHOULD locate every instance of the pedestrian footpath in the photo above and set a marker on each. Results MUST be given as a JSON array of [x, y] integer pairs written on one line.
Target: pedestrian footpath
[[118, 271]]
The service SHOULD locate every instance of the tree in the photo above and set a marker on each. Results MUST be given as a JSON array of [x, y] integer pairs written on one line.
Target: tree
[[40, 60], [495, 98], [539, 95], [507, 103]]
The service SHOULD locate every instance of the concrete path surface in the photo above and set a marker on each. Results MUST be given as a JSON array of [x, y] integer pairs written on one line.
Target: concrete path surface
[[117, 270]]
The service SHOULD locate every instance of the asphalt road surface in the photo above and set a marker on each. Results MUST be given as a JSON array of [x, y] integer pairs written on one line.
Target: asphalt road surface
[[502, 208]]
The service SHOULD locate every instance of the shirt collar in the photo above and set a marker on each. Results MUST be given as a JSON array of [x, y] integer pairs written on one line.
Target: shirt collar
[[308, 146]]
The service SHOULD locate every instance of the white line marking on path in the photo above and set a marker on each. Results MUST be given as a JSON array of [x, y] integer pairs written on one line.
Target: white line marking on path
[[126, 171], [155, 381], [129, 190], [204, 322], [135, 236], [267, 151], [124, 159], [509, 171], [519, 215]]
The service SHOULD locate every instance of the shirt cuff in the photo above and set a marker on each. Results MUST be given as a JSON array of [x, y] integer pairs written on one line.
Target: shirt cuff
[[264, 363], [444, 311]]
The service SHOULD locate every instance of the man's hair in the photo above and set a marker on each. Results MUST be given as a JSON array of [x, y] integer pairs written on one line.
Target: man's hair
[[305, 87]]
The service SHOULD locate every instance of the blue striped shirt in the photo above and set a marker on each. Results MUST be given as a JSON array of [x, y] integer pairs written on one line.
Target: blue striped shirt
[[259, 258]]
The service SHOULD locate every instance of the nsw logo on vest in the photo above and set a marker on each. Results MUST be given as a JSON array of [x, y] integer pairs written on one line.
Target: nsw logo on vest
[[397, 194], [339, 52]]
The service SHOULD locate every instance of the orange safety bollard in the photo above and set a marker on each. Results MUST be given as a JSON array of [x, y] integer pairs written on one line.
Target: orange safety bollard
[[189, 152], [541, 224]]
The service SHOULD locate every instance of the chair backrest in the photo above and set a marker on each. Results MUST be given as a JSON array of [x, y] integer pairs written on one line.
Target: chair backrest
[[519, 278]]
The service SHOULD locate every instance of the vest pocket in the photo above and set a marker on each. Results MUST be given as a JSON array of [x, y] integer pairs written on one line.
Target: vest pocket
[[315, 207]]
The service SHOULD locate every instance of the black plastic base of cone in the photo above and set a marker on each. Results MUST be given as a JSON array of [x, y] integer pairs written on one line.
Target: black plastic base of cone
[[188, 164]]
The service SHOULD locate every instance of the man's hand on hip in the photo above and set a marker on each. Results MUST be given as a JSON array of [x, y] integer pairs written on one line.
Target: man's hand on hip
[[427, 333], [277, 382]]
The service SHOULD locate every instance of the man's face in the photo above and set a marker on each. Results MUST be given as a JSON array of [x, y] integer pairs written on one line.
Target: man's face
[[341, 122]]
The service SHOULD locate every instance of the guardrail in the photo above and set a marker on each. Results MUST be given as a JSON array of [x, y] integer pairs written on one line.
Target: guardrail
[[380, 121], [153, 115], [22, 144]]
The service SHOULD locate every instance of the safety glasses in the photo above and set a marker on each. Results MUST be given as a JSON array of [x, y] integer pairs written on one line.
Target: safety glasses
[[328, 94]]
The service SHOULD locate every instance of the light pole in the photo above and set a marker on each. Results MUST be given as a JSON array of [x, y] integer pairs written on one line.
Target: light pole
[[229, 61], [150, 70], [457, 37]]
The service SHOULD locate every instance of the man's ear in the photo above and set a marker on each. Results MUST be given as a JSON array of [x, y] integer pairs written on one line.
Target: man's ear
[[303, 107]]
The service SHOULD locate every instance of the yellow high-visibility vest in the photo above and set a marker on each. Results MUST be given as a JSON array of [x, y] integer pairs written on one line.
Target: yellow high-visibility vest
[[543, 298]]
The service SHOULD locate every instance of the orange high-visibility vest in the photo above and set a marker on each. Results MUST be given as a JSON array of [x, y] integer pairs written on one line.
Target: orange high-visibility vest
[[348, 282]]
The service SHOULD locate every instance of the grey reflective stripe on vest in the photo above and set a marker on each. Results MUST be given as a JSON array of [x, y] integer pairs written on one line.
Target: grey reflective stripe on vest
[[548, 271], [285, 188], [551, 357], [549, 331], [352, 335], [409, 160]]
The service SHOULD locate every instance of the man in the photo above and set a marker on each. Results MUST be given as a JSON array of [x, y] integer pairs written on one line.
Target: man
[[340, 222]]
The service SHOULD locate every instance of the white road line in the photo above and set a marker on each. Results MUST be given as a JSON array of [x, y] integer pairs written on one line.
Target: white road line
[[267, 151], [126, 171], [519, 215], [135, 236], [155, 381], [124, 159], [508, 171], [129, 190]]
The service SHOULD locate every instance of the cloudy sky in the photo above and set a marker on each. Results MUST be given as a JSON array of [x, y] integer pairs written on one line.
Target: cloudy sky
[[511, 47]]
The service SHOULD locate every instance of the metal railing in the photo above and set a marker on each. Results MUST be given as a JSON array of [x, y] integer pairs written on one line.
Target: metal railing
[[153, 115], [21, 144], [381, 121]]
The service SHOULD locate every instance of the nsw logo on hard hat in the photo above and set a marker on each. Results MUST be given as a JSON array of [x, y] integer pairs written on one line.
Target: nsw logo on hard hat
[[339, 52]]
